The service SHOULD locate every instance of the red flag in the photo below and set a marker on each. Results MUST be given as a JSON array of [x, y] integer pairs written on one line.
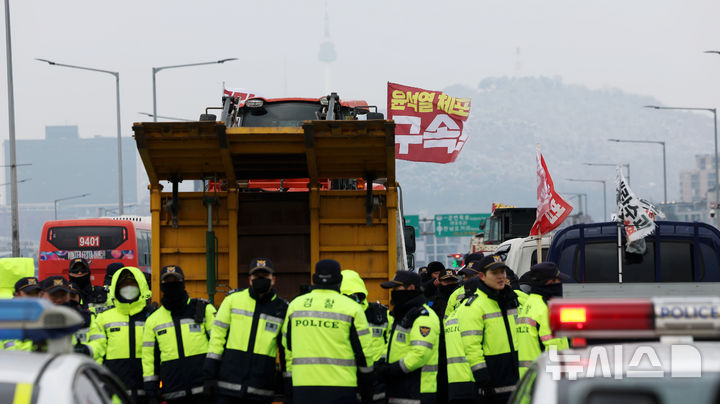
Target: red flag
[[428, 124], [552, 209], [240, 93]]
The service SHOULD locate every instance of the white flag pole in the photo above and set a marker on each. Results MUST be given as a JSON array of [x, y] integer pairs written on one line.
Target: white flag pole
[[620, 223], [539, 239]]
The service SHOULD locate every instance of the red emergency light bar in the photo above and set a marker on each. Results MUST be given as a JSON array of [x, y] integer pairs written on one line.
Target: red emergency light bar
[[635, 318]]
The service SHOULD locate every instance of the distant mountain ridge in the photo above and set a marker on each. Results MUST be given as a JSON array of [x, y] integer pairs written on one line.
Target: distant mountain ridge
[[572, 124]]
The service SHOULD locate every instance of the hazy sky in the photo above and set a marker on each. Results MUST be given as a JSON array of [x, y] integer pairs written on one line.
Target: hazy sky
[[649, 47]]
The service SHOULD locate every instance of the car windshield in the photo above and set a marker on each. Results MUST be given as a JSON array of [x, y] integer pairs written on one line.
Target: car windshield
[[640, 390]]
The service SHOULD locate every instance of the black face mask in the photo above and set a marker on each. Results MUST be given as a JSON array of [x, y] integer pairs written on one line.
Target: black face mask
[[261, 285], [446, 290], [174, 295], [548, 291], [72, 304], [83, 281], [400, 297]]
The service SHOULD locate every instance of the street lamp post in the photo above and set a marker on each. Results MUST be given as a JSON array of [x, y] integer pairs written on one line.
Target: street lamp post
[[119, 134], [155, 70], [604, 193], [660, 142], [580, 196], [65, 199], [15, 228], [626, 165], [714, 112]]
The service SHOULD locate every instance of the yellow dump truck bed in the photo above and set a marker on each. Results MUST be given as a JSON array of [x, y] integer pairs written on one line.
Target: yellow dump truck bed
[[293, 229]]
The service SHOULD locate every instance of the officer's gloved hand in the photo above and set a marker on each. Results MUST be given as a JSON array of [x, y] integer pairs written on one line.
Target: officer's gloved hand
[[483, 381], [381, 370], [386, 372], [81, 349], [210, 388]]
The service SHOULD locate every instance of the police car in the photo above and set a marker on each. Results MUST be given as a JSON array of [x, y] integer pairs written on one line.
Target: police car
[[673, 356], [55, 376]]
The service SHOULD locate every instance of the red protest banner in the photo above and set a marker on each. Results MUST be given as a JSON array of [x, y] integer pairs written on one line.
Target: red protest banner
[[552, 209], [240, 93], [429, 124]]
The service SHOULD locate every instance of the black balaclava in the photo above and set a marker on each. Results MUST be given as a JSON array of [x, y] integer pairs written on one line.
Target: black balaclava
[[548, 291], [82, 281], [174, 296], [447, 290], [399, 297]]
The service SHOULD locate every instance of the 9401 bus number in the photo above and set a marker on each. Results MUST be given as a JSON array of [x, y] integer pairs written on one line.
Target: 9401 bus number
[[89, 241]]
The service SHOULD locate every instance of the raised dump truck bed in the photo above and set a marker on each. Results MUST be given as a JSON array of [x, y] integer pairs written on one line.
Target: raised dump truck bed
[[361, 229]]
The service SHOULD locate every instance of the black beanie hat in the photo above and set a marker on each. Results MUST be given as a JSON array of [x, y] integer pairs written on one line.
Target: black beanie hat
[[327, 272], [435, 266]]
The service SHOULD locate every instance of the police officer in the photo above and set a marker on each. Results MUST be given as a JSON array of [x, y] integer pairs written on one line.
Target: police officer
[[533, 323], [25, 287], [246, 340], [55, 289], [378, 319], [79, 273], [175, 342], [461, 383], [116, 334], [412, 353], [467, 272], [487, 327], [327, 342]]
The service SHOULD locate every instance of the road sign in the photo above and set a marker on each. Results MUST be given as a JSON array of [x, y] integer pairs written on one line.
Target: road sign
[[459, 225], [414, 221]]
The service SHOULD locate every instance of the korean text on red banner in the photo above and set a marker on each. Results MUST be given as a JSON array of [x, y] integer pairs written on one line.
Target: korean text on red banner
[[429, 125]]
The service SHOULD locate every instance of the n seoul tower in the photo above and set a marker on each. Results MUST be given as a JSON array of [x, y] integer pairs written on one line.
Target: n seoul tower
[[327, 55]]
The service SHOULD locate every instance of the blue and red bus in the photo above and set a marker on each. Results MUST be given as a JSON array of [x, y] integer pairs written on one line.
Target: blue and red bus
[[100, 241]]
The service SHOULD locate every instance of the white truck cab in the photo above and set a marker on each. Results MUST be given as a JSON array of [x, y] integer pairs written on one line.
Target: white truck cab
[[521, 253]]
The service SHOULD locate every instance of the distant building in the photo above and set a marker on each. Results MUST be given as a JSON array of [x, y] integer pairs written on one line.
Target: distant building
[[694, 184], [64, 164], [686, 212]]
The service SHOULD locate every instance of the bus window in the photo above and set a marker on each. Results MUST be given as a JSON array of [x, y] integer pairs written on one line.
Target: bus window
[[143, 241]]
